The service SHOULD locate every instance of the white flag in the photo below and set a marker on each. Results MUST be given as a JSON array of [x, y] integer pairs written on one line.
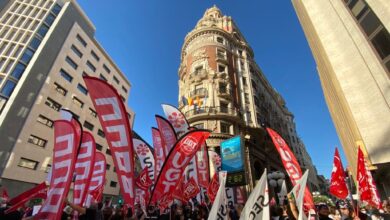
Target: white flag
[[219, 209], [257, 205], [283, 193], [299, 191]]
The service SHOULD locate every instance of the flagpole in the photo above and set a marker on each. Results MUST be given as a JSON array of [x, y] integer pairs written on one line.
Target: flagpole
[[350, 186]]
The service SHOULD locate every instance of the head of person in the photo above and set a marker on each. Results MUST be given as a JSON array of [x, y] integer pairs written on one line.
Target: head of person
[[323, 210], [345, 208]]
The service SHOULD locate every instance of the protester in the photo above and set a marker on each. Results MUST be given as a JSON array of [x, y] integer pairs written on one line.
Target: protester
[[323, 212]]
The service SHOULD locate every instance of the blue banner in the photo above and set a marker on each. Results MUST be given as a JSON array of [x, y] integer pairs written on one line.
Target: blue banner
[[231, 155]]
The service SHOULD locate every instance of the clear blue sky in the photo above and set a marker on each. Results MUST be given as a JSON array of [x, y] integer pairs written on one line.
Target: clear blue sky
[[144, 38]]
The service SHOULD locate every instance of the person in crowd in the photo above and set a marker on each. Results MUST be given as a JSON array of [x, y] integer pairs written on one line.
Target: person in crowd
[[92, 213], [323, 212]]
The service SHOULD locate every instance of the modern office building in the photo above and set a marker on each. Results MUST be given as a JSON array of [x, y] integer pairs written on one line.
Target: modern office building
[[46, 47], [350, 42], [231, 94]]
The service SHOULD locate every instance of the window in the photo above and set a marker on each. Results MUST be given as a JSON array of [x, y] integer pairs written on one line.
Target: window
[[124, 89], [61, 90], [66, 75], [103, 77], [53, 104], [56, 9], [88, 125], [76, 51], [8, 88], [81, 40], [108, 166], [370, 23], [224, 107], [199, 126], [95, 55], [106, 68], [381, 43], [50, 19], [43, 30], [220, 40], [99, 147], [221, 68], [91, 66], [26, 57], [222, 88], [113, 184], [71, 62], [246, 95], [101, 133], [37, 141], [77, 102], [108, 151], [35, 43], [18, 71], [123, 98], [92, 112], [27, 163], [116, 80], [45, 121], [198, 70], [221, 54], [82, 89], [225, 127]]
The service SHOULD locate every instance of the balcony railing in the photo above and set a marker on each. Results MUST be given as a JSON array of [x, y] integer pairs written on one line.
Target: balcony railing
[[199, 92], [211, 111]]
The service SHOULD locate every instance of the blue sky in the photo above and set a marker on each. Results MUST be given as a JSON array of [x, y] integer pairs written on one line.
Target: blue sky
[[145, 38]]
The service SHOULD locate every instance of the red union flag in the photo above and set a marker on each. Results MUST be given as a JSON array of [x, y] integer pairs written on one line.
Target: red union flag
[[177, 160], [203, 166], [375, 199], [21, 199], [291, 165], [364, 186], [159, 155], [213, 187], [98, 176], [338, 187], [64, 159], [176, 118], [143, 181], [83, 169], [168, 135], [113, 118], [191, 189], [145, 156], [178, 192]]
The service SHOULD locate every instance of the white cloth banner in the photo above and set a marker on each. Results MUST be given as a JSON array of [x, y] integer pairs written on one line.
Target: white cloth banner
[[219, 209], [257, 205], [283, 193], [299, 192]]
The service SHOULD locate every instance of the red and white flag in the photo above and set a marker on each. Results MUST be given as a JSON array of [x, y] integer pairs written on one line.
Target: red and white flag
[[291, 165], [177, 119], [190, 190], [299, 193], [98, 178], [215, 162], [26, 196], [338, 187], [203, 166], [145, 156], [143, 180], [213, 187], [64, 159], [115, 123], [364, 186], [178, 192], [168, 135], [83, 169], [159, 155], [172, 171], [375, 200], [220, 204]]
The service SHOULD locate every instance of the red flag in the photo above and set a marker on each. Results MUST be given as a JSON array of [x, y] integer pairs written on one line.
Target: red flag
[[364, 187], [5, 195], [64, 159], [168, 135], [240, 195], [114, 120], [178, 192], [143, 181], [22, 198], [338, 187], [291, 165], [98, 177], [202, 164], [183, 151], [83, 170], [375, 200], [191, 189], [159, 155], [213, 187], [165, 201], [176, 118]]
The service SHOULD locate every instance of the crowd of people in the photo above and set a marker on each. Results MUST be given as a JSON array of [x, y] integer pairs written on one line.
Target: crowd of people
[[342, 210]]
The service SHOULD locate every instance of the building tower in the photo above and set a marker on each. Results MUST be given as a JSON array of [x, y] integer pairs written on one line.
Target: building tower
[[350, 42], [219, 74], [46, 47]]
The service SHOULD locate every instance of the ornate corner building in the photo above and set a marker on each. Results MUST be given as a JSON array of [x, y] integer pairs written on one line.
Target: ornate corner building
[[221, 88]]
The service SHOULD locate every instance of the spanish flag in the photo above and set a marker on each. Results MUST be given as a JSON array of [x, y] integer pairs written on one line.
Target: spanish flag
[[190, 101]]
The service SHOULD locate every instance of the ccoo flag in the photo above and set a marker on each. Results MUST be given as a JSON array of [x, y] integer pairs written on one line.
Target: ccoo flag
[[219, 209], [299, 193], [338, 187]]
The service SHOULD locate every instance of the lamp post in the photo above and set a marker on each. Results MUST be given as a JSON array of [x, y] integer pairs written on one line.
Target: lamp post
[[275, 180]]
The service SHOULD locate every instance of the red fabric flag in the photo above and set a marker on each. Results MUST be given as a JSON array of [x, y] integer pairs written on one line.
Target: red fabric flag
[[338, 187], [83, 169], [183, 151], [168, 135], [364, 186], [24, 197], [5, 195], [291, 165], [178, 192], [202, 164], [98, 177], [375, 200], [240, 195], [159, 155], [213, 187], [143, 181], [191, 189], [115, 123], [64, 159], [165, 201]]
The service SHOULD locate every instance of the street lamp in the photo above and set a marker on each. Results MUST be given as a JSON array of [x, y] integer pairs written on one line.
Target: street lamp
[[275, 180]]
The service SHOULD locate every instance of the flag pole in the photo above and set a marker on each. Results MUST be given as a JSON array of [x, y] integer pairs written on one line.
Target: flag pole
[[350, 186]]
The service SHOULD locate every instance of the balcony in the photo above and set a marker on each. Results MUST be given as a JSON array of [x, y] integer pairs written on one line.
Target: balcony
[[201, 92], [214, 112], [224, 92], [198, 75]]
